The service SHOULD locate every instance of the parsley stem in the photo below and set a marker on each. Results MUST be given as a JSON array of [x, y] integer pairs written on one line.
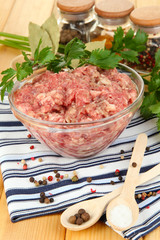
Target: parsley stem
[[17, 42], [14, 36], [15, 45]]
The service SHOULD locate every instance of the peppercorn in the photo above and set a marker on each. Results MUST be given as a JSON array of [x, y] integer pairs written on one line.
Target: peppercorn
[[46, 200], [51, 200], [57, 175], [134, 164], [89, 179], [122, 151], [75, 178], [85, 216], [77, 215], [41, 200], [154, 194], [25, 166], [122, 157], [81, 211], [120, 178], [23, 161], [36, 183], [55, 171], [50, 178], [72, 219], [39, 159], [40, 182], [144, 194], [147, 149], [44, 182], [29, 136], [139, 196], [42, 194], [117, 172], [32, 147], [112, 182], [79, 221], [31, 179]]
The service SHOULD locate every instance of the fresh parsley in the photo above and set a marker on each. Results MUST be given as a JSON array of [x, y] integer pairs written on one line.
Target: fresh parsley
[[125, 46], [151, 103]]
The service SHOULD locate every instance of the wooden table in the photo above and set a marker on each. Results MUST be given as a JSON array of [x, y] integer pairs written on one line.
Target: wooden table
[[14, 18]]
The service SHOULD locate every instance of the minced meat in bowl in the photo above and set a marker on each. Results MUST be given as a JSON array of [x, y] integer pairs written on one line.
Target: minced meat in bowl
[[78, 113]]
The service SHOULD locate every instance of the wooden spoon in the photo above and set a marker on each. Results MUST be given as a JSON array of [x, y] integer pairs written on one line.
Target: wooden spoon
[[96, 207], [123, 211]]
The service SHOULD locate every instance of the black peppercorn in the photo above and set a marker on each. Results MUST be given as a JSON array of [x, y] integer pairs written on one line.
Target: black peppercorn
[[134, 164], [42, 194], [57, 175], [72, 219], [44, 182], [31, 179], [51, 200]]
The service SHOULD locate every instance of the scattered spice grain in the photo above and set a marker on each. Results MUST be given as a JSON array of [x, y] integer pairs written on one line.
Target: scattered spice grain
[[31, 179], [112, 182], [89, 179], [23, 161], [32, 147], [74, 178], [25, 166], [57, 175], [50, 178], [134, 164]]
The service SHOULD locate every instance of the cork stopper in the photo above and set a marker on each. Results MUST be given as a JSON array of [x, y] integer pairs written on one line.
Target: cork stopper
[[146, 16], [114, 8], [75, 6]]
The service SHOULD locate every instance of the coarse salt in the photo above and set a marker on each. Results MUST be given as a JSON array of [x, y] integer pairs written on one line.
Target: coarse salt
[[121, 216]]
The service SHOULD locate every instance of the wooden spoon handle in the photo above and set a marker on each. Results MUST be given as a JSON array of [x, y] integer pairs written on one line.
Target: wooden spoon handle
[[134, 165], [144, 177]]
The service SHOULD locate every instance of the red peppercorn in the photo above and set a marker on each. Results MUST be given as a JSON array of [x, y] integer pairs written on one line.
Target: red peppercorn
[[93, 191], [32, 147], [50, 178], [29, 136], [61, 176], [33, 158], [25, 166], [148, 207], [158, 192], [143, 198]]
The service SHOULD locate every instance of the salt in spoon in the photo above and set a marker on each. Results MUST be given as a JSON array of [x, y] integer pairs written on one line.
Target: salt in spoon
[[96, 207], [123, 211]]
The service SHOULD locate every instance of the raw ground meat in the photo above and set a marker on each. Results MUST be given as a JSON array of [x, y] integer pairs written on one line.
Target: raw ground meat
[[84, 94]]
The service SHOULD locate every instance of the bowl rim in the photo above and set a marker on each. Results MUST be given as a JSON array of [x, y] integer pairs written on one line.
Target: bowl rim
[[109, 119]]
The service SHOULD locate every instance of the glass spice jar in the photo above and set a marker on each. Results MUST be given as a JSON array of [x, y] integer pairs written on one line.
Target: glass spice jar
[[111, 14], [76, 19], [148, 20]]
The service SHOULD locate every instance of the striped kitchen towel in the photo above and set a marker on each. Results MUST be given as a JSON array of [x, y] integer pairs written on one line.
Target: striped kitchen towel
[[23, 196]]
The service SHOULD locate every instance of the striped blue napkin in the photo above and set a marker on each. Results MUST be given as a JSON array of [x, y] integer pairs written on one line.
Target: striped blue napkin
[[23, 196]]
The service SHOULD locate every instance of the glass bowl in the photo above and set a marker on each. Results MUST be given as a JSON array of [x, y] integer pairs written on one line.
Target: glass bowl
[[80, 140]]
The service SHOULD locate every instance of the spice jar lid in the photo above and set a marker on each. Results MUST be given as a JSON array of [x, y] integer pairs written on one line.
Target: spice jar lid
[[146, 16], [113, 8], [75, 5]]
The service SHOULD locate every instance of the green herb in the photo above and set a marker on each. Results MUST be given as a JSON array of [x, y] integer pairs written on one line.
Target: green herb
[[128, 45], [75, 50], [41, 58], [151, 103]]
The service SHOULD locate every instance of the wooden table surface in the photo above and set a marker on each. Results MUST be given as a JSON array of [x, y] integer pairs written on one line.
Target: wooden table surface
[[14, 18]]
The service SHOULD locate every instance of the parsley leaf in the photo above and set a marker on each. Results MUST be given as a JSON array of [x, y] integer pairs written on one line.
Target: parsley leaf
[[104, 59], [76, 49]]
